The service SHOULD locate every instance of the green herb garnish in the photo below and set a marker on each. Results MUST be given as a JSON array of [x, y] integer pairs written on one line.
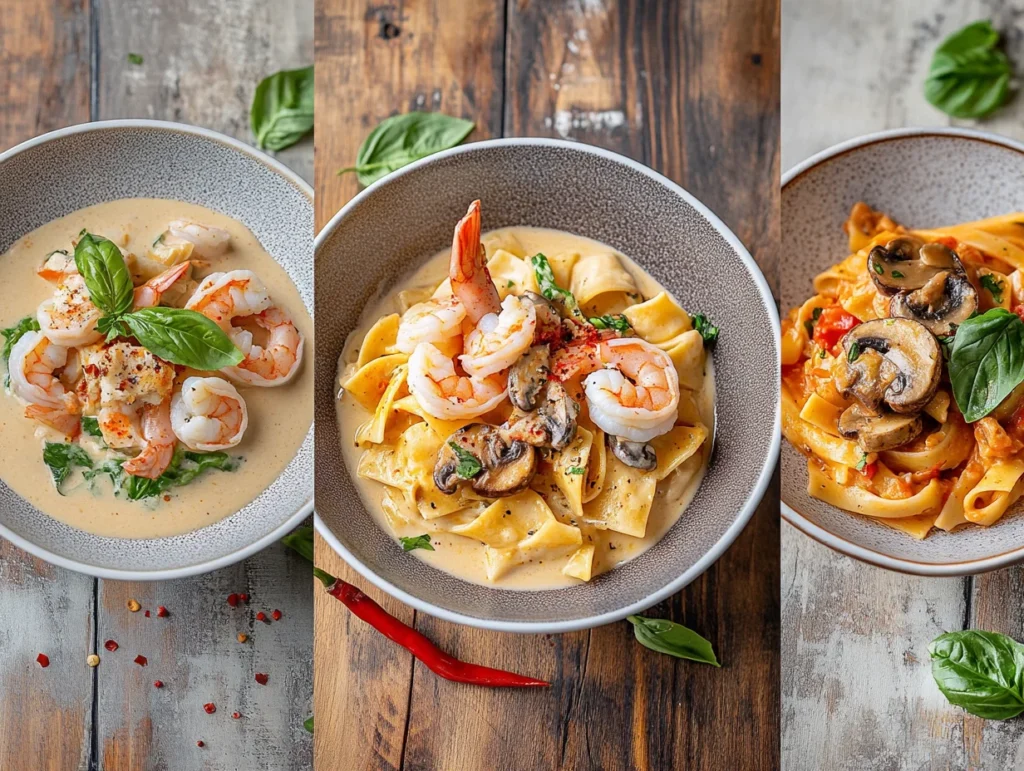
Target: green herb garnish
[[983, 672], [184, 467], [411, 543], [969, 76], [135, 58], [664, 636], [62, 458], [986, 362], [994, 286], [862, 463], [897, 274], [91, 426], [710, 332], [854, 352], [551, 290], [616, 321], [575, 470], [879, 269], [282, 109], [469, 465]]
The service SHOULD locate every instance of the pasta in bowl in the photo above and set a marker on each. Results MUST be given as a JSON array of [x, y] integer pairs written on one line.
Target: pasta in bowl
[[528, 421]]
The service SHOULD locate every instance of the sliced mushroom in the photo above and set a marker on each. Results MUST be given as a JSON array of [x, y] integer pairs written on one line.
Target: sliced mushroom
[[506, 466], [905, 264], [528, 377], [634, 454], [895, 362], [552, 424], [945, 302], [875, 433]]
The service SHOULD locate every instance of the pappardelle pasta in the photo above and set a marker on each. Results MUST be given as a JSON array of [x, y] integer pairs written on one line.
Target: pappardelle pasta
[[531, 420], [903, 375]]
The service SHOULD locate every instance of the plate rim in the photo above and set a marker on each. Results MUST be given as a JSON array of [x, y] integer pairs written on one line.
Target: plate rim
[[754, 496]]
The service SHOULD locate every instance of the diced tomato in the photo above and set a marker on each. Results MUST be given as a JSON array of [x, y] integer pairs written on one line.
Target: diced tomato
[[870, 469], [1019, 310], [832, 324], [947, 241]]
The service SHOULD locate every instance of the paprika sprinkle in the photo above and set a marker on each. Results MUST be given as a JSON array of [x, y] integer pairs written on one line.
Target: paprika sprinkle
[[44, 660], [210, 708], [261, 678], [141, 660], [110, 645]]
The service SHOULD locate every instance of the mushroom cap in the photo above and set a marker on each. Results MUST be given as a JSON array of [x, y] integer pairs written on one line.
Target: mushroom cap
[[905, 264], [506, 466], [552, 424], [875, 433], [895, 362], [528, 377], [942, 304], [638, 455]]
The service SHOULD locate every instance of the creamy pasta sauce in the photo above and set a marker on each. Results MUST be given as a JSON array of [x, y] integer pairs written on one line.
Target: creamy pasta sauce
[[279, 417], [462, 556]]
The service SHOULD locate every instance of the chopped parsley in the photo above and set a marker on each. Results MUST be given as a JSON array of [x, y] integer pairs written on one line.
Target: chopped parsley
[[469, 465], [879, 269], [616, 321], [575, 470], [854, 352], [994, 287], [897, 274], [707, 330], [416, 542], [551, 290]]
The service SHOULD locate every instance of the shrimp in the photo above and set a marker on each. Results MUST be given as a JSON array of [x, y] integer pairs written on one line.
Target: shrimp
[[57, 265], [273, 364], [445, 394], [33, 362], [56, 418], [498, 340], [208, 414], [471, 281], [637, 396], [157, 442], [433, 321], [207, 241], [69, 318], [222, 297], [148, 295]]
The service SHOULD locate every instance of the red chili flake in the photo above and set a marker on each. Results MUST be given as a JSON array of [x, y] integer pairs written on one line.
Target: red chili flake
[[261, 616], [44, 660], [147, 614], [233, 600], [244, 598], [110, 645], [236, 715], [261, 678], [161, 612], [210, 708], [276, 615], [167, 498], [158, 683], [200, 743], [141, 660]]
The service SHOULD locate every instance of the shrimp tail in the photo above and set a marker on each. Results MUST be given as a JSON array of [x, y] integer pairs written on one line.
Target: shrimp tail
[[159, 450], [54, 417], [471, 281], [149, 294]]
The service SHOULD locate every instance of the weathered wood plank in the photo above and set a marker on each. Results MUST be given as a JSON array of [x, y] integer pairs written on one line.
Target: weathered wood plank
[[45, 714], [857, 689], [201, 64]]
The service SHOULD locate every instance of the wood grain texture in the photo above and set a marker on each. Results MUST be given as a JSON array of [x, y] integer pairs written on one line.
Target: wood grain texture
[[201, 65], [690, 88], [857, 685], [45, 714]]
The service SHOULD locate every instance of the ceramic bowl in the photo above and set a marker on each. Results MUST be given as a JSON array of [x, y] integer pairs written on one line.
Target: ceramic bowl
[[923, 178], [394, 225], [60, 172]]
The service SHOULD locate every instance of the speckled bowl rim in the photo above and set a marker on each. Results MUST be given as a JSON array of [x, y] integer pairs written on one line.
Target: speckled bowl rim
[[754, 496], [303, 511], [791, 514]]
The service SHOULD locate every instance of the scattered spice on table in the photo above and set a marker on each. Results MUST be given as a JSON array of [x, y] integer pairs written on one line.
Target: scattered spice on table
[[243, 597], [44, 660], [161, 612], [261, 616], [200, 743], [111, 646], [92, 660], [276, 615], [236, 715], [242, 637], [134, 606], [261, 678], [147, 614], [233, 600], [210, 708], [158, 683], [141, 660]]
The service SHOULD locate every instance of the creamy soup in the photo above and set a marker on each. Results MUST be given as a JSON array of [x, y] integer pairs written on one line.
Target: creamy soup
[[472, 559], [278, 417]]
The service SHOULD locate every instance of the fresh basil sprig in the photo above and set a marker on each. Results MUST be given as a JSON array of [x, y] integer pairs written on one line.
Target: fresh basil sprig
[[401, 139], [983, 672], [551, 290], [183, 337], [969, 76], [282, 109], [106, 275], [62, 458], [664, 636], [411, 543], [987, 361]]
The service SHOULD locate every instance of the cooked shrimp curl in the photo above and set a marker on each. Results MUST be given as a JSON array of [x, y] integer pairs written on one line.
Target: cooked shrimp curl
[[445, 394], [208, 414]]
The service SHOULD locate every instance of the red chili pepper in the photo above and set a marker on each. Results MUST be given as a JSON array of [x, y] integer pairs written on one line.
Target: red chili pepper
[[233, 600], [141, 660], [261, 678], [110, 645], [261, 616], [158, 683], [276, 615], [870, 470], [832, 324], [210, 708], [161, 612], [200, 743], [44, 660], [236, 715], [421, 647]]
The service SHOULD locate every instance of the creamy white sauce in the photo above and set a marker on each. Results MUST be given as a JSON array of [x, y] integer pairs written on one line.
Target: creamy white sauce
[[279, 417], [464, 557]]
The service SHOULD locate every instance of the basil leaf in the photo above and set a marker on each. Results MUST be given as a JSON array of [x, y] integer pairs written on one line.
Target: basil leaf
[[184, 467], [987, 361], [617, 321], [710, 332], [308, 723], [417, 542], [91, 426], [135, 59], [183, 337], [111, 468], [468, 466], [12, 335], [577, 470], [105, 273], [983, 672], [282, 109], [62, 458], [994, 287], [402, 139], [551, 290], [664, 636], [301, 541], [969, 77]]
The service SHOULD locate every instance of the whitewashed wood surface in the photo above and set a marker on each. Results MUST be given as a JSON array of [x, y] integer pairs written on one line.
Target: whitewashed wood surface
[[63, 62], [857, 689]]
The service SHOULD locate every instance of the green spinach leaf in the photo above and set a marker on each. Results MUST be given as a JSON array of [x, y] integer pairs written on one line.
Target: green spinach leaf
[[987, 361], [617, 321], [91, 426], [105, 273], [282, 109], [183, 337], [983, 672], [969, 76], [185, 466], [664, 636], [416, 542], [401, 139], [468, 466], [110, 468], [62, 458]]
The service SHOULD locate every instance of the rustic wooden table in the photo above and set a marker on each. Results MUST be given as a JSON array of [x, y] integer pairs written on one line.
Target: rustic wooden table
[[65, 62], [690, 88], [857, 687]]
